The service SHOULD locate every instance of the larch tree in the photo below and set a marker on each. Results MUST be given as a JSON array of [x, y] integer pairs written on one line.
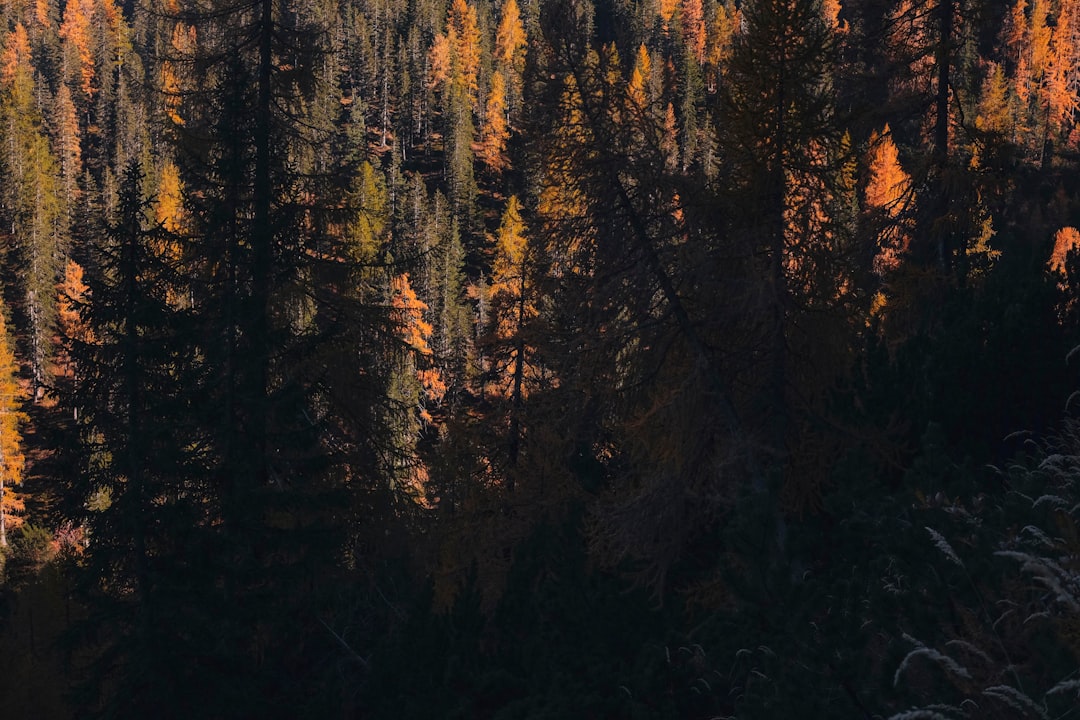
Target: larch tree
[[34, 206], [510, 49], [76, 31], [12, 460], [73, 295], [888, 194], [464, 34], [495, 131], [692, 19], [513, 309]]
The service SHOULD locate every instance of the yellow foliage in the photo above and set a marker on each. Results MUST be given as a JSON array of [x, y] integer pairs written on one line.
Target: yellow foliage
[[495, 132], [169, 211], [16, 55], [465, 37], [12, 460], [510, 39], [77, 32], [640, 79], [41, 13], [831, 10], [667, 10], [1066, 240]]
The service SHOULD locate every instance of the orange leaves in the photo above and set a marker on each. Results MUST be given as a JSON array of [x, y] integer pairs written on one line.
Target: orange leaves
[[184, 42], [667, 10], [466, 31], [72, 294], [439, 59], [495, 132], [693, 26], [831, 10], [455, 56], [408, 315], [888, 181], [1066, 240], [993, 110], [41, 13], [169, 212], [75, 31], [510, 38], [510, 246], [640, 79], [887, 192], [16, 55], [12, 461]]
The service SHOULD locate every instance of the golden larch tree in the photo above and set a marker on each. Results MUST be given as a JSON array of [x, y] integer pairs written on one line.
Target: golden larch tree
[[719, 42], [12, 461], [510, 47], [1066, 240], [510, 38], [667, 10], [464, 32], [76, 31], [41, 13], [638, 89], [887, 192], [16, 54], [495, 131]]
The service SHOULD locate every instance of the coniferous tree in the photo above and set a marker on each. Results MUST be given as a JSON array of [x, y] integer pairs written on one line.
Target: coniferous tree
[[143, 474], [33, 203], [12, 460], [289, 418]]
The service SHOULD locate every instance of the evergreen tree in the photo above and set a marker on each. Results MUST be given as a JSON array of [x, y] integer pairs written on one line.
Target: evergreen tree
[[143, 474]]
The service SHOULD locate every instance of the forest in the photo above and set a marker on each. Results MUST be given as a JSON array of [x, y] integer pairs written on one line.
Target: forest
[[521, 359]]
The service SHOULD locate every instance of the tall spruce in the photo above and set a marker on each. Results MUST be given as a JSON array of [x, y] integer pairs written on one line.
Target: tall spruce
[[143, 479]]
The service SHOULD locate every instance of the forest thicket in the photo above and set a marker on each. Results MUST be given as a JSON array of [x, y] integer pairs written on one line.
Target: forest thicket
[[539, 359]]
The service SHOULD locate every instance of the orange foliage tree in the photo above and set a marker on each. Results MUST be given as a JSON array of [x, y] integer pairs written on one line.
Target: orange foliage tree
[[12, 460], [692, 17], [455, 55], [510, 38], [886, 193], [76, 31], [72, 296], [495, 131]]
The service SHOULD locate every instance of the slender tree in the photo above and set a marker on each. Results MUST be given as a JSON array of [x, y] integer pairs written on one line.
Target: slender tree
[[12, 460]]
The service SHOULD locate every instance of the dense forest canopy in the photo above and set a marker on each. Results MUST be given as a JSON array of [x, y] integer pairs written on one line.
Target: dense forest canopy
[[552, 358]]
